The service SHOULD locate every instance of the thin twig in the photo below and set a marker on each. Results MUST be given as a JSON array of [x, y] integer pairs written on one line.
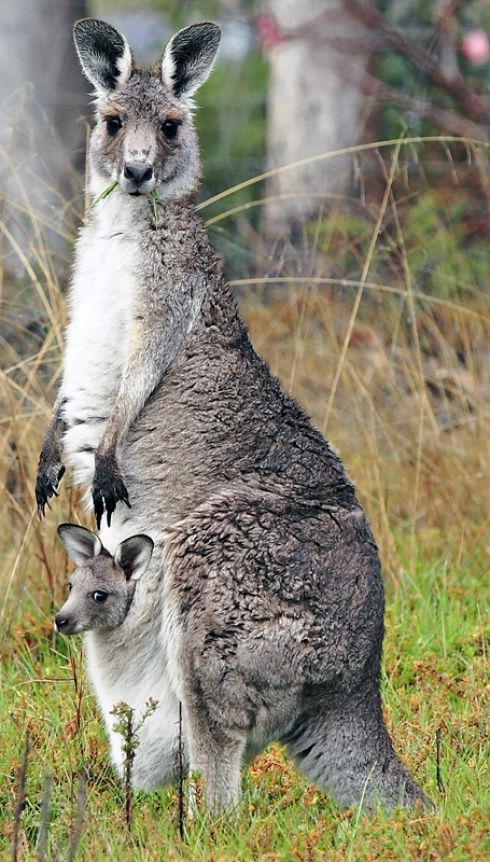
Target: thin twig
[[20, 798], [77, 825], [440, 783], [180, 756], [128, 764], [42, 839]]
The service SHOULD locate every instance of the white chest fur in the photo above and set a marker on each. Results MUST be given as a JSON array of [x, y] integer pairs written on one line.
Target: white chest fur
[[97, 338], [130, 665]]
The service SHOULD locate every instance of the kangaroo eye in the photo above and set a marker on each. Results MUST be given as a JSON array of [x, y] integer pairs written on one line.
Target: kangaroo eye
[[99, 596], [69, 586], [113, 125], [169, 129]]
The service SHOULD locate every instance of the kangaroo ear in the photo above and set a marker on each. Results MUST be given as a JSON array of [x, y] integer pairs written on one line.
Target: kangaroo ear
[[133, 556], [81, 544], [104, 54], [189, 58]]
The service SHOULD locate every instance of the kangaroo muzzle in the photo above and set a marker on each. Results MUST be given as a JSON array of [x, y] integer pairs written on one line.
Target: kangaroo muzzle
[[138, 178], [137, 172]]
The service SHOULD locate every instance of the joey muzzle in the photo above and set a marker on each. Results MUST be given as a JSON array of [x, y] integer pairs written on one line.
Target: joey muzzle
[[64, 623]]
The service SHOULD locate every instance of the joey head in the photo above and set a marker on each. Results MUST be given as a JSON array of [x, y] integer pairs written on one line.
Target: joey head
[[102, 586]]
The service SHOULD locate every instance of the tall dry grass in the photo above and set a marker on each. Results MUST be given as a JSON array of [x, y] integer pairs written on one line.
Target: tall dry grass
[[397, 378]]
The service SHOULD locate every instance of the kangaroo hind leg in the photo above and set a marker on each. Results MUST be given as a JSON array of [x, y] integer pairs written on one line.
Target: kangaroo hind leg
[[216, 754]]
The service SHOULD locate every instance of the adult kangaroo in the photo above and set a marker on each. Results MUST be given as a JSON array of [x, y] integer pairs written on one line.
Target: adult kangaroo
[[262, 606]]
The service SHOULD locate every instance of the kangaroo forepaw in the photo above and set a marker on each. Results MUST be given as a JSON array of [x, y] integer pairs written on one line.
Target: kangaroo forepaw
[[108, 489], [48, 479]]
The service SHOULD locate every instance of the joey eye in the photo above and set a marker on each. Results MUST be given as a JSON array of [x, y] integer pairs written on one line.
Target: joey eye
[[69, 586], [169, 129], [113, 125], [99, 596]]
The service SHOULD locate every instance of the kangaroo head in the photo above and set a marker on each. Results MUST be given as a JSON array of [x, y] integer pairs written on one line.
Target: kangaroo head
[[144, 137], [102, 586]]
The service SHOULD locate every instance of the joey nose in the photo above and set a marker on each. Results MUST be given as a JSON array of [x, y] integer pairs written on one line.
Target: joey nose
[[61, 622], [138, 174]]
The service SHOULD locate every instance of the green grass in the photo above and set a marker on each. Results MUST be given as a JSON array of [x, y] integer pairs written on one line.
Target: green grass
[[436, 677]]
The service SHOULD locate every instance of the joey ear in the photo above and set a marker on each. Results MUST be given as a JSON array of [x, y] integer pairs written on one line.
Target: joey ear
[[133, 556], [81, 544], [189, 58], [104, 54]]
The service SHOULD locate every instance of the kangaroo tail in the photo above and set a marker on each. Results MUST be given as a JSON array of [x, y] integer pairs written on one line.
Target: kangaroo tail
[[346, 750]]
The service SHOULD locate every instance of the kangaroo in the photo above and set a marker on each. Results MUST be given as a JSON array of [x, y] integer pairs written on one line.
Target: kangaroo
[[261, 610]]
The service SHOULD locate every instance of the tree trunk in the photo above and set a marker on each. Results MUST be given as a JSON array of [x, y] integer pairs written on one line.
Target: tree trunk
[[42, 96], [314, 107]]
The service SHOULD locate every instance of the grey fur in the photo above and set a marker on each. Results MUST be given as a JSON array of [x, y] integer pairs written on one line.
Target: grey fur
[[262, 608]]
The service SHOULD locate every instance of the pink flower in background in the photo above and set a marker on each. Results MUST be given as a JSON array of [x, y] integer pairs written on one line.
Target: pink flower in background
[[268, 32], [476, 47]]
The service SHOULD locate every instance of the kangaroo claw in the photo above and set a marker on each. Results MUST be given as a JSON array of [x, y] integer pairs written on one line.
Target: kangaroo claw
[[48, 479], [108, 490]]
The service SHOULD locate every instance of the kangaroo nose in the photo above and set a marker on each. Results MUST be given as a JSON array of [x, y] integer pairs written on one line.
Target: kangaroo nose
[[138, 174], [61, 622]]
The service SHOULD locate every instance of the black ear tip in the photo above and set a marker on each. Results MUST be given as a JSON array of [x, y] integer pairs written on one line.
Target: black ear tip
[[212, 31], [146, 539], [63, 529], [94, 28], [84, 25], [213, 27], [91, 24], [204, 31]]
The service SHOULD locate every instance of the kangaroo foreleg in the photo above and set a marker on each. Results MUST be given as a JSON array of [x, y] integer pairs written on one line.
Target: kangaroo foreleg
[[148, 360], [50, 469]]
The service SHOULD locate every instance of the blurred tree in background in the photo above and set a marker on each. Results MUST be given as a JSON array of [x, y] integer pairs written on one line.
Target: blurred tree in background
[[312, 106], [42, 141]]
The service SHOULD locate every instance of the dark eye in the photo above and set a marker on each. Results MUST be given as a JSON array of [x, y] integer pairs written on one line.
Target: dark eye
[[169, 129], [99, 596], [113, 125], [69, 586]]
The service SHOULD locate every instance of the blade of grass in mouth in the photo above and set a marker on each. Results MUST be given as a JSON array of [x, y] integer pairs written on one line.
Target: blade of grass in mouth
[[105, 194]]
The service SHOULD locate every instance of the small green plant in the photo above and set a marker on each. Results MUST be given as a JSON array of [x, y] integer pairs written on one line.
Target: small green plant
[[127, 728]]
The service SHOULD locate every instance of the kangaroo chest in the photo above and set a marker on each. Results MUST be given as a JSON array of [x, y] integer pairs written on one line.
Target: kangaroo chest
[[97, 339]]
